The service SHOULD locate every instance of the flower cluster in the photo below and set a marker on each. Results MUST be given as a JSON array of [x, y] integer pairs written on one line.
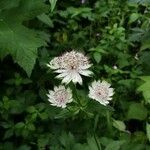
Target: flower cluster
[[69, 67], [60, 96], [101, 92]]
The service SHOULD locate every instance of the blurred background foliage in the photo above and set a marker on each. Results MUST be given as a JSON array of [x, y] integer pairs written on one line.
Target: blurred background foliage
[[115, 34]]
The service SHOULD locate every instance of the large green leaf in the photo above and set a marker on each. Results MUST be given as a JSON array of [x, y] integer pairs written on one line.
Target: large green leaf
[[145, 88], [16, 39], [21, 43], [137, 111]]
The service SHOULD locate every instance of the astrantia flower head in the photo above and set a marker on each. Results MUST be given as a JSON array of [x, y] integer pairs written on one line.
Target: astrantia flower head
[[60, 96], [101, 92], [71, 66]]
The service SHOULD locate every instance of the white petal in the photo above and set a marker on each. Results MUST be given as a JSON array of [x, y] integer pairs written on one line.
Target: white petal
[[111, 91], [62, 75], [79, 79], [56, 88], [53, 104], [51, 100], [86, 66], [51, 92], [90, 89], [69, 93], [60, 70], [109, 98], [70, 100], [86, 72], [51, 66], [61, 87], [92, 96], [63, 106], [67, 79], [104, 103], [105, 84], [94, 84], [76, 78]]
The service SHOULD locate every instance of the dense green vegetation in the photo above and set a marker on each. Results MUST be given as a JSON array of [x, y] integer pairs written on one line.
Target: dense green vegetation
[[114, 34]]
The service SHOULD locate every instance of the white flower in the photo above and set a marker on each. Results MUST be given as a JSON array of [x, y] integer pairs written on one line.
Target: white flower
[[71, 66], [60, 96], [101, 92], [54, 63], [115, 67]]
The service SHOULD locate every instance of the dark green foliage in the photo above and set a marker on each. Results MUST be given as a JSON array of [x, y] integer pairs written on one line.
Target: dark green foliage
[[115, 34]]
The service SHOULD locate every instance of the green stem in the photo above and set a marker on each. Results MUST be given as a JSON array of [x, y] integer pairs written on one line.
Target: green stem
[[109, 121], [97, 143], [68, 109], [76, 95]]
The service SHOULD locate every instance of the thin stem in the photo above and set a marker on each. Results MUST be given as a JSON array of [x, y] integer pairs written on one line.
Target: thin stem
[[109, 121], [68, 109], [98, 146], [76, 95]]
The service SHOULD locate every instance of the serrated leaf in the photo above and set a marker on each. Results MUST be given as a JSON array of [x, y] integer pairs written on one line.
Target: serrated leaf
[[137, 34], [45, 19], [17, 40], [97, 57], [22, 45], [133, 17]]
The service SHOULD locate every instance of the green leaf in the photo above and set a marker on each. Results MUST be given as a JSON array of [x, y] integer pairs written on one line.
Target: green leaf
[[115, 145], [24, 147], [31, 127], [119, 125], [21, 43], [19, 125], [145, 88], [148, 130], [133, 17], [53, 4], [17, 40], [31, 109], [7, 4], [92, 145], [145, 44], [8, 134], [97, 57], [140, 1], [8, 146], [45, 19], [43, 141], [137, 111], [67, 140]]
